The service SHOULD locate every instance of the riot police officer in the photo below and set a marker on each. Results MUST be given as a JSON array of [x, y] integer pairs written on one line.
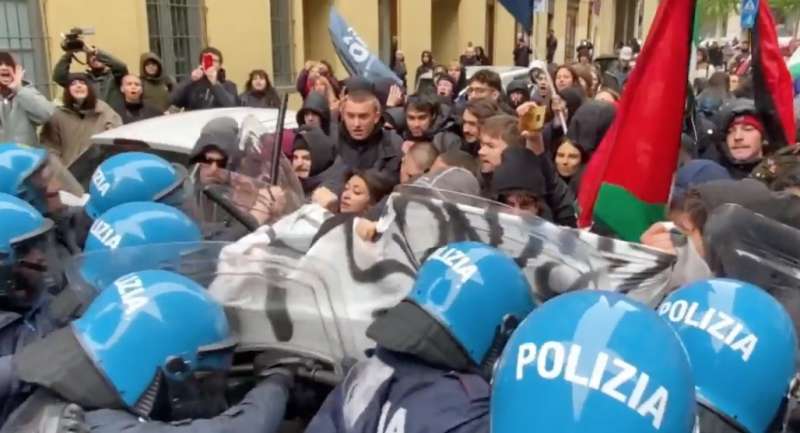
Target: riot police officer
[[590, 362], [117, 244], [743, 348], [435, 349], [40, 179], [135, 177], [27, 272], [169, 384]]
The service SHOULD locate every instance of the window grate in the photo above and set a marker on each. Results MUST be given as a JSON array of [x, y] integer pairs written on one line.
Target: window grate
[[175, 34], [21, 34], [282, 31]]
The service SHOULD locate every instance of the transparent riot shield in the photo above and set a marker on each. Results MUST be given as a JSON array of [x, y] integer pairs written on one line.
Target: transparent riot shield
[[274, 301], [52, 187], [225, 197], [246, 193], [554, 258]]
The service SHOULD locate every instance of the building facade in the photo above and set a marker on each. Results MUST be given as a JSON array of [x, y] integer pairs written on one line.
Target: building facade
[[279, 35]]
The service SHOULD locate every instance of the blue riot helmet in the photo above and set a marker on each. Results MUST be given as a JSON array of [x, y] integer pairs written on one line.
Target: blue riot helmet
[[134, 176], [17, 162], [742, 346], [593, 361], [111, 247], [26, 263], [36, 177], [146, 335], [466, 299]]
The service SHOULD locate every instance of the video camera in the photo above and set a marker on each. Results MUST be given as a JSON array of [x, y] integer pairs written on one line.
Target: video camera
[[73, 40]]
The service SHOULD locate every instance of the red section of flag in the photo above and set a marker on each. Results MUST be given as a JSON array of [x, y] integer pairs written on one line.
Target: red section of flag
[[640, 151], [772, 82]]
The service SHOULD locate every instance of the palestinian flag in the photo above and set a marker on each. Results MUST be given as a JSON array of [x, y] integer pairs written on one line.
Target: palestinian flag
[[627, 183], [772, 84]]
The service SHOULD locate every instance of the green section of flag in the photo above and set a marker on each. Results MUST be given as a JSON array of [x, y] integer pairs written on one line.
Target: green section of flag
[[794, 64], [624, 213], [698, 21]]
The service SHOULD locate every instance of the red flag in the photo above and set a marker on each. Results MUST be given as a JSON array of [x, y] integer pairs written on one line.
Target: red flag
[[627, 182], [772, 82]]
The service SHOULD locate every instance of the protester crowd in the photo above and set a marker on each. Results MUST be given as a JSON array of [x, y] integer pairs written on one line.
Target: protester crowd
[[524, 145]]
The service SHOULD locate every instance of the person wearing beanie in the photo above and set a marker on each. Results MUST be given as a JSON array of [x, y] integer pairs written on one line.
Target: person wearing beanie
[[692, 174], [68, 133], [744, 143], [518, 182], [105, 74], [316, 112], [312, 154], [518, 93], [22, 107], [206, 88]]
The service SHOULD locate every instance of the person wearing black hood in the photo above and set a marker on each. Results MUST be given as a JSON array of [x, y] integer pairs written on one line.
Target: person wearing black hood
[[313, 152], [156, 84], [258, 91], [362, 144], [567, 102], [206, 88], [104, 74], [743, 139], [425, 121], [518, 93], [518, 182], [316, 112], [217, 148], [589, 124], [500, 133]]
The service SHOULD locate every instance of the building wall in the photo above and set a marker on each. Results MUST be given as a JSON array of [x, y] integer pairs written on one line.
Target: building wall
[[444, 27], [471, 24], [560, 28], [240, 58], [504, 37], [414, 33]]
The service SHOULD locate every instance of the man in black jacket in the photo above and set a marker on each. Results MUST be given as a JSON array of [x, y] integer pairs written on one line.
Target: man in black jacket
[[207, 87], [133, 108], [362, 144]]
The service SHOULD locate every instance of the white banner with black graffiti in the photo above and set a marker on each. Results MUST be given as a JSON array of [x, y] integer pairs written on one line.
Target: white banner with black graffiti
[[348, 279]]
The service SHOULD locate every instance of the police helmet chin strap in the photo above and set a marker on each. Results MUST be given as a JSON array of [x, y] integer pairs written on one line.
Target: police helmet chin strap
[[501, 336]]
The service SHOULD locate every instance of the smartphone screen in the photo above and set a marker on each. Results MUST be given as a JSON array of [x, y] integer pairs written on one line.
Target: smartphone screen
[[208, 61]]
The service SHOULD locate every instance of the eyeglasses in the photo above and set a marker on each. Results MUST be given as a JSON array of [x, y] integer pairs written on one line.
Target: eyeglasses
[[218, 162]]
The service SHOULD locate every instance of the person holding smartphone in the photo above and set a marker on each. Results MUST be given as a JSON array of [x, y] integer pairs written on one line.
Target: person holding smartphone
[[206, 86]]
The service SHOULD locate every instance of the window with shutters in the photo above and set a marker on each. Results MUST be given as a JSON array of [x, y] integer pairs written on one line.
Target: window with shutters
[[282, 31], [21, 34], [176, 34]]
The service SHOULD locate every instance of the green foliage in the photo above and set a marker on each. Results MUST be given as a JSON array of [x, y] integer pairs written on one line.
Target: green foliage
[[714, 10]]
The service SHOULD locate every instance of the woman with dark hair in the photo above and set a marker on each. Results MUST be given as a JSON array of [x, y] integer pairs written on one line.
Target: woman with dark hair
[[483, 59], [427, 66], [704, 69], [68, 133], [570, 159], [565, 76], [363, 189], [258, 91], [587, 79]]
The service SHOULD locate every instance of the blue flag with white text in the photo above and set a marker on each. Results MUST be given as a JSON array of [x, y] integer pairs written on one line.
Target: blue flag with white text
[[353, 52], [522, 10]]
